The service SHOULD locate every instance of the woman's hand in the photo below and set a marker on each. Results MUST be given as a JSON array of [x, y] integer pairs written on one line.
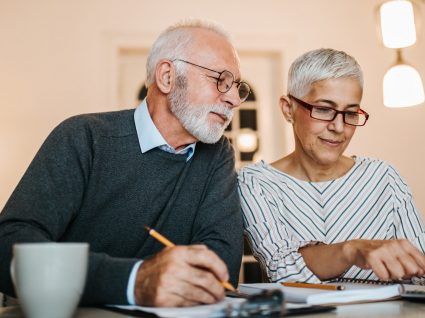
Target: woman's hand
[[388, 259]]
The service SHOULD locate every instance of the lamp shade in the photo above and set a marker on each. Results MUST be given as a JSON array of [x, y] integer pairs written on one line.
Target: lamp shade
[[403, 87], [397, 24]]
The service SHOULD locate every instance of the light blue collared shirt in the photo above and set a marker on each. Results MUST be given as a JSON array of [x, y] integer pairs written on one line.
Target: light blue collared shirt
[[150, 138]]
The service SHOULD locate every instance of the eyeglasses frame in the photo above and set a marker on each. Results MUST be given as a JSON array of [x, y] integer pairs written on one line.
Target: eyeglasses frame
[[343, 112], [238, 83]]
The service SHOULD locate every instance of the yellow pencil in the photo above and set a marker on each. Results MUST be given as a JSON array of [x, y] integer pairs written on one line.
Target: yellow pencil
[[161, 238], [317, 286]]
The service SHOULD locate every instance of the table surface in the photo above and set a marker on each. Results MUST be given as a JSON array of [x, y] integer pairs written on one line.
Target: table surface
[[388, 309]]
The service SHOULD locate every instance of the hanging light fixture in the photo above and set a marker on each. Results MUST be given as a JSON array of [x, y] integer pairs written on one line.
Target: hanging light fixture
[[398, 24], [402, 85]]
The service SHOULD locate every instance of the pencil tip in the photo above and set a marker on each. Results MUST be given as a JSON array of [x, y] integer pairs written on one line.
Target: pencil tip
[[147, 228]]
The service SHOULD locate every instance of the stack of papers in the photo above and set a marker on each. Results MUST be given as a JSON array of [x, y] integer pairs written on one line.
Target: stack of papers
[[354, 293]]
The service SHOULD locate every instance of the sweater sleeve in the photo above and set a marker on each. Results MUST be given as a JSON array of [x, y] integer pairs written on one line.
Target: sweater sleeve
[[46, 201], [219, 221], [274, 246]]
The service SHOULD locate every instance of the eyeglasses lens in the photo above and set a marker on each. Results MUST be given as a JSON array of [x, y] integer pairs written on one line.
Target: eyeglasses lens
[[350, 118], [243, 91], [322, 113], [226, 81], [354, 119]]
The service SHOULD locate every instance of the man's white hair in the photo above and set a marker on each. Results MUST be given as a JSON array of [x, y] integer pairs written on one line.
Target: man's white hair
[[173, 43], [318, 65]]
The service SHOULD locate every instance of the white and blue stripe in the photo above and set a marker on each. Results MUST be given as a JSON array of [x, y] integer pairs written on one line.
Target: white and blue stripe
[[282, 214]]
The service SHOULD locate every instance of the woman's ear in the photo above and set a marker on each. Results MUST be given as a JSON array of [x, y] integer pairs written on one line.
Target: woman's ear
[[286, 108], [164, 76]]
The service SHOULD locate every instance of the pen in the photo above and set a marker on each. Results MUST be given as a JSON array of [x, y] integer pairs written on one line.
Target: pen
[[317, 286], [161, 238]]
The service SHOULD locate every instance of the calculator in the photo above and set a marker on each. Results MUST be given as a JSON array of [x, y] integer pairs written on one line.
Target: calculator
[[414, 295]]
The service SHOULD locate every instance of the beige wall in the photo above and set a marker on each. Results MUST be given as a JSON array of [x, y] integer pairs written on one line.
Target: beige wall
[[53, 56]]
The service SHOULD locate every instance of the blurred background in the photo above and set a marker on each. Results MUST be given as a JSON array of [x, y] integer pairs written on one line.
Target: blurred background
[[60, 58]]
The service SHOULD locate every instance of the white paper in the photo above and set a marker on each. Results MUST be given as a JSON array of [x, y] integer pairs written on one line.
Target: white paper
[[353, 293], [210, 311]]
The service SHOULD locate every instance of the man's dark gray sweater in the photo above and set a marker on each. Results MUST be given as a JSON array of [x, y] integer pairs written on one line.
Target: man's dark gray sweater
[[90, 182]]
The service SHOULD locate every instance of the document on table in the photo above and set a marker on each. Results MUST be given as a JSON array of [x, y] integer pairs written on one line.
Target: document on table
[[352, 294], [210, 311]]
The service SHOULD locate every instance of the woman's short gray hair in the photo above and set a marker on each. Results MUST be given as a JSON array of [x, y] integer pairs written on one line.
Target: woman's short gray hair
[[173, 43], [318, 65]]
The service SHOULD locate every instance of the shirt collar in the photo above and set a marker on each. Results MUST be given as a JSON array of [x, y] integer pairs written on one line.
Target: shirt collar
[[149, 136]]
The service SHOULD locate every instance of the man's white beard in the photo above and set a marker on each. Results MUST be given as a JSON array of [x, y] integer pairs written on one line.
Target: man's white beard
[[194, 118]]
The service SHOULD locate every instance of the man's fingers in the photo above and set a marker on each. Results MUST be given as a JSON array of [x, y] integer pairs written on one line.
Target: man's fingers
[[197, 276], [188, 285], [196, 294], [205, 281], [168, 299], [205, 258], [181, 276]]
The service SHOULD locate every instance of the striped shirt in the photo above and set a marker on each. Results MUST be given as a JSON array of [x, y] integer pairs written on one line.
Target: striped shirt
[[282, 214]]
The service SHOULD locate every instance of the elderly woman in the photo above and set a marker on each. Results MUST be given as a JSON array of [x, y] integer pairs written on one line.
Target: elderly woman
[[318, 214]]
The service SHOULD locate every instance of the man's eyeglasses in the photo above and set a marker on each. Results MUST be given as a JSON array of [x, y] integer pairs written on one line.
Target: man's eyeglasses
[[225, 81], [353, 118]]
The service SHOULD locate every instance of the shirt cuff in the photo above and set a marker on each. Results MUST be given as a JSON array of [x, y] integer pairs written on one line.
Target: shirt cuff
[[132, 283]]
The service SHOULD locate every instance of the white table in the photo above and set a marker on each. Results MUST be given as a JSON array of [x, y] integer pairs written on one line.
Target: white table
[[388, 309]]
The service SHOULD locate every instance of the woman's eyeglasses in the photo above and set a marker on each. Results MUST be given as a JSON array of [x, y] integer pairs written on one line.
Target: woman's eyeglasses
[[353, 118]]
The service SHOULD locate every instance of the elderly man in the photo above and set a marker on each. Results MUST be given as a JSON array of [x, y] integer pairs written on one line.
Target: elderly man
[[99, 178]]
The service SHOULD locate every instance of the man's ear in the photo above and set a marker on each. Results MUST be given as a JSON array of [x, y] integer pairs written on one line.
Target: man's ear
[[286, 108], [164, 76]]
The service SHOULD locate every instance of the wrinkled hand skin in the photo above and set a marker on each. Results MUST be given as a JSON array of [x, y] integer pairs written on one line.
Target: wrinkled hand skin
[[388, 259], [181, 276]]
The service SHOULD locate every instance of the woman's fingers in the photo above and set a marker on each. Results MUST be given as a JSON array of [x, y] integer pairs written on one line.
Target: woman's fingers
[[390, 259]]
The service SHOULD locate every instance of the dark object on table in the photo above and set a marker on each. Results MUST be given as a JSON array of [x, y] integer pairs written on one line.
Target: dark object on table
[[414, 295], [268, 303]]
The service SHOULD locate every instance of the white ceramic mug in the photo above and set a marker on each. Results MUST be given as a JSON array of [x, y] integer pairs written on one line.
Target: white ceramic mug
[[49, 278]]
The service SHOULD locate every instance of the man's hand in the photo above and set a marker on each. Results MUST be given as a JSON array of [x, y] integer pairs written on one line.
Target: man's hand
[[181, 276], [389, 259]]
